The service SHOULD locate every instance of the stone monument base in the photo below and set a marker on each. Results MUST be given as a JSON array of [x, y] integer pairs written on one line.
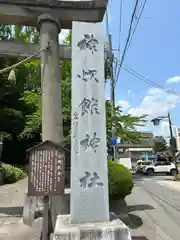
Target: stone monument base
[[112, 230]]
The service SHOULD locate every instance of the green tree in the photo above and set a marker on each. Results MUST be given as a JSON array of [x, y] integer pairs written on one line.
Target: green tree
[[20, 99], [5, 32], [13, 104], [160, 144], [32, 97], [11, 107], [125, 125], [26, 34]]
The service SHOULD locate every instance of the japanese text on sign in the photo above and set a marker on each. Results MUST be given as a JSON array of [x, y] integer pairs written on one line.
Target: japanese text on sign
[[46, 171]]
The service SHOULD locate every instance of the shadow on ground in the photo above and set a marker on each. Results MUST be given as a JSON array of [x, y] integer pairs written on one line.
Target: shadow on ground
[[131, 220], [139, 238], [141, 176], [139, 207], [125, 213], [12, 211], [171, 180]]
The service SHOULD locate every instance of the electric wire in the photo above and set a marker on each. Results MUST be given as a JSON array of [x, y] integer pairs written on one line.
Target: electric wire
[[137, 22], [128, 38], [119, 36], [148, 81], [137, 17]]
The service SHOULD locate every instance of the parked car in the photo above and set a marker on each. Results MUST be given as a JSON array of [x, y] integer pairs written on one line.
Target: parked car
[[160, 167], [140, 164]]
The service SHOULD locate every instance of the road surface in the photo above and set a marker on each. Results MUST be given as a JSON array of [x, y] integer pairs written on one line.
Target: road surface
[[154, 209]]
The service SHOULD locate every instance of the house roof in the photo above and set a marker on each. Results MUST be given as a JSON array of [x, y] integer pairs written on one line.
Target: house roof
[[53, 144]]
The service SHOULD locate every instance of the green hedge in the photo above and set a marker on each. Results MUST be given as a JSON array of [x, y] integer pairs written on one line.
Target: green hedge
[[120, 180], [11, 174]]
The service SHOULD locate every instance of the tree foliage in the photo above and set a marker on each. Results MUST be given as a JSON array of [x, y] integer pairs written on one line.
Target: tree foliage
[[5, 32], [20, 100], [160, 144], [126, 125]]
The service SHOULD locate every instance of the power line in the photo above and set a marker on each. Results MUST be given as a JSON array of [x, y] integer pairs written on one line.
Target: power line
[[120, 23], [120, 28], [148, 81], [138, 19], [128, 38]]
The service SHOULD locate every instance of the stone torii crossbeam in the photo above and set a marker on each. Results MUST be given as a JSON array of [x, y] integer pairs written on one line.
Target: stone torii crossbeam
[[15, 49], [26, 12]]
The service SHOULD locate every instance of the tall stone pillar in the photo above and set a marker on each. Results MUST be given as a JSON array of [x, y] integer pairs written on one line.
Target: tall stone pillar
[[50, 79], [52, 128]]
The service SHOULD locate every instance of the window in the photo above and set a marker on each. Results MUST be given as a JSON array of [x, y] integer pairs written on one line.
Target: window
[[163, 163]]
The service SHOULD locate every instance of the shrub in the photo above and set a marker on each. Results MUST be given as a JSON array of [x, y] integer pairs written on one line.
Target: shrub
[[11, 174], [120, 181]]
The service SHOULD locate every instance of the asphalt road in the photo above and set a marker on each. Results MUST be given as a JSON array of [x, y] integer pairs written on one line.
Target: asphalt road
[[154, 210]]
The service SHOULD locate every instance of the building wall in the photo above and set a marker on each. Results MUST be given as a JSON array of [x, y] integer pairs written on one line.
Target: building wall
[[178, 138], [135, 155], [135, 150], [147, 142]]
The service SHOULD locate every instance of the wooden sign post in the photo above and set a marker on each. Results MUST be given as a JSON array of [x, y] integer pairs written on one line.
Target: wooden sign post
[[46, 177]]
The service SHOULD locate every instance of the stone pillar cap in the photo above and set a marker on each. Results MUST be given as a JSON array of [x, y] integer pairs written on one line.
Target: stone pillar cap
[[49, 18]]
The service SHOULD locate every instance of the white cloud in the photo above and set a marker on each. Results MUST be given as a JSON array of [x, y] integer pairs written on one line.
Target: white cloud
[[156, 103], [63, 34], [124, 104], [130, 93], [162, 130], [172, 80]]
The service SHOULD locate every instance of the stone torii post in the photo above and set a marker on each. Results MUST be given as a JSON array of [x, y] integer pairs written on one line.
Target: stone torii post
[[51, 16], [52, 128]]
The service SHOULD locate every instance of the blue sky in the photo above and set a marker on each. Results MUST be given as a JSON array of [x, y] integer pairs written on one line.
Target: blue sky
[[154, 53]]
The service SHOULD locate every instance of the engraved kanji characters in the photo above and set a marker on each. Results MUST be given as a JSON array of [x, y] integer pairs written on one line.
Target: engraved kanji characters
[[88, 42], [92, 142], [88, 75], [89, 105], [90, 180]]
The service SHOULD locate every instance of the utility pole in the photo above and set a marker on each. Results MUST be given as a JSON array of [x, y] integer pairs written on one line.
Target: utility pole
[[170, 126], [156, 121], [172, 141], [112, 81], [112, 94]]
